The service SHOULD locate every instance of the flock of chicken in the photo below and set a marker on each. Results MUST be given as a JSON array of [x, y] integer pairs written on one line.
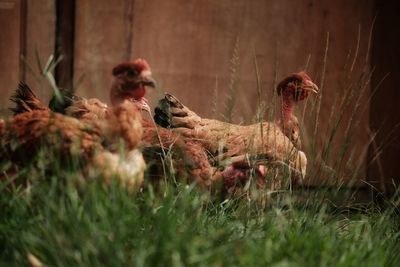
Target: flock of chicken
[[118, 142]]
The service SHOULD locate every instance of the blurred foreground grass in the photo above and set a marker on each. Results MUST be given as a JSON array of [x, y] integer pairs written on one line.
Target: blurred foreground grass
[[61, 224]]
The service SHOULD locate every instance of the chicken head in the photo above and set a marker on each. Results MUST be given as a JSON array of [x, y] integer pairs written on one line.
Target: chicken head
[[130, 82]]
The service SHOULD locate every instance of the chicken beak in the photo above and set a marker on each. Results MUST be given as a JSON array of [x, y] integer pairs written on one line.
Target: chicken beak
[[310, 86], [146, 79]]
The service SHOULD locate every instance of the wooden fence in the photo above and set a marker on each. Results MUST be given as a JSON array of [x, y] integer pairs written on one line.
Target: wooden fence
[[190, 46]]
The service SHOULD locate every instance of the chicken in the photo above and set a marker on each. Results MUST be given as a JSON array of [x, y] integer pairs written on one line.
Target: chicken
[[274, 144], [158, 144], [293, 89], [94, 142], [130, 80]]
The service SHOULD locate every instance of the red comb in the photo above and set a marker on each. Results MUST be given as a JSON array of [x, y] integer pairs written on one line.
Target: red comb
[[293, 77], [138, 64], [141, 63]]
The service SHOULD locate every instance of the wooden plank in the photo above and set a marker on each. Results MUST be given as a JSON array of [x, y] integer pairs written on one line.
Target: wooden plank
[[27, 25], [102, 40], [22, 38], [65, 40], [40, 40], [10, 21], [384, 171]]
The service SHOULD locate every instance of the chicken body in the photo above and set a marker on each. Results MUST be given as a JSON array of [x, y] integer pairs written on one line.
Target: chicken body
[[159, 144], [130, 80], [274, 143], [35, 126], [225, 140]]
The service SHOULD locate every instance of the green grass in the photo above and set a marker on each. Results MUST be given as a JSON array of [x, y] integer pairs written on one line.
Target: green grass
[[62, 224]]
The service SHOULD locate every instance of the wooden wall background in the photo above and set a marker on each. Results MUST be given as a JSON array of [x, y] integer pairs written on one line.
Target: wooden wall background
[[189, 45]]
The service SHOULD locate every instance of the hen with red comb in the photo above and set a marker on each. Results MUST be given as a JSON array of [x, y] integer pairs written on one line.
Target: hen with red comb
[[294, 88], [130, 82], [277, 144]]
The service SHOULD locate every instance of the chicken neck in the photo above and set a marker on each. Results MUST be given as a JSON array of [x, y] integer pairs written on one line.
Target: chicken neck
[[287, 109]]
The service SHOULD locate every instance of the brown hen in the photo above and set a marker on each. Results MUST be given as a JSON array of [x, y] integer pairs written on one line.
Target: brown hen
[[164, 150], [273, 144], [35, 126]]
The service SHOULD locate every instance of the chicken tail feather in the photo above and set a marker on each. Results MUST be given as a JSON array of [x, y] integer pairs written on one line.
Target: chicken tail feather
[[25, 100]]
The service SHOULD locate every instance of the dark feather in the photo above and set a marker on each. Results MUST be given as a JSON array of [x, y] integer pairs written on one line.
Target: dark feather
[[162, 114], [59, 104], [25, 100]]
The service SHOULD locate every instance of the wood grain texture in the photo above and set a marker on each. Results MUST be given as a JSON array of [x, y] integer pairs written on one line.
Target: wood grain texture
[[40, 40], [17, 39], [102, 40], [384, 172], [65, 43], [9, 48]]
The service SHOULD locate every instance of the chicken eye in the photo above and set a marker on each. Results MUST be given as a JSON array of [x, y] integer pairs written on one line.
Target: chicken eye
[[131, 73]]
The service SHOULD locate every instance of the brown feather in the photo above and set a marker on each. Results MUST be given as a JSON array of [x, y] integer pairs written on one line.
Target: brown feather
[[25, 133]]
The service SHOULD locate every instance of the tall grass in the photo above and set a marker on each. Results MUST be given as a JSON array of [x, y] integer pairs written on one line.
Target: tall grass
[[234, 83]]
